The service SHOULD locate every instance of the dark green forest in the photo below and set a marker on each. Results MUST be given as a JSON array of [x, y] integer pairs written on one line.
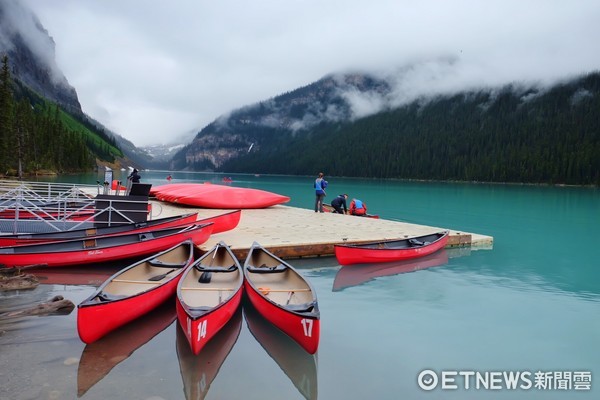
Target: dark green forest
[[37, 135], [507, 135]]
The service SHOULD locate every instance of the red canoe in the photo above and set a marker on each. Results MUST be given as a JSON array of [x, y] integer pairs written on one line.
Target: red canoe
[[171, 193], [102, 248], [390, 250], [223, 222], [134, 227], [133, 292], [361, 273], [100, 357], [207, 195], [208, 294], [283, 296], [155, 190]]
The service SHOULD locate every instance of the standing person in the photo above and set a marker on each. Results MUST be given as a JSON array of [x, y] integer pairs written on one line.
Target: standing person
[[169, 177], [340, 202], [320, 185], [357, 207], [135, 177]]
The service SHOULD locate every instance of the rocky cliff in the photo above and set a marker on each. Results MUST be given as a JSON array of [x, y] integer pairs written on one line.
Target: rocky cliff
[[31, 54]]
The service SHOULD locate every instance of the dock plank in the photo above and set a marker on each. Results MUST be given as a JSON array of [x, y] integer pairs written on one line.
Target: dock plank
[[292, 232]]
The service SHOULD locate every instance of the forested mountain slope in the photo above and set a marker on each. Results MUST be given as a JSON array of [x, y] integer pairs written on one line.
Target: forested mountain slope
[[510, 134]]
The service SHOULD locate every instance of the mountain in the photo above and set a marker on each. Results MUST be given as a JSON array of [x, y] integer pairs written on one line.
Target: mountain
[[31, 52], [353, 125], [36, 76], [160, 155], [269, 124]]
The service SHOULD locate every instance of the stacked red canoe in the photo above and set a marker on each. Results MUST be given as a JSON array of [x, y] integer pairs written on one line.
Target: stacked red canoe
[[207, 195]]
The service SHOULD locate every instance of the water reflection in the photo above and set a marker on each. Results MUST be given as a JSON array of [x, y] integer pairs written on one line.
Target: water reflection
[[100, 357], [294, 361], [92, 276], [17, 325], [354, 275], [198, 371]]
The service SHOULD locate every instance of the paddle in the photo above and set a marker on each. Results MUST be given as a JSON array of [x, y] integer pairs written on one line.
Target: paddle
[[205, 277], [161, 276]]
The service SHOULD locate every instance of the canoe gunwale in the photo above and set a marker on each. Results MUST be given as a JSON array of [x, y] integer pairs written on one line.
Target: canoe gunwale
[[374, 245], [195, 313], [90, 300]]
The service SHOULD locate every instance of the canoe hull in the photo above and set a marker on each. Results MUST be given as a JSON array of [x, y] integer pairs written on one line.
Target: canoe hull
[[283, 297], [138, 227], [360, 273], [368, 253], [207, 195], [95, 322], [90, 255], [199, 330], [224, 222], [305, 330]]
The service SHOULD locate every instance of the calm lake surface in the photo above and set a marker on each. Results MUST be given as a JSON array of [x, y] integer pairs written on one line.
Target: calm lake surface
[[531, 304]]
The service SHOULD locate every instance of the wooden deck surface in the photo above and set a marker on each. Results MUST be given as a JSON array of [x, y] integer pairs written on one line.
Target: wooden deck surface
[[291, 232]]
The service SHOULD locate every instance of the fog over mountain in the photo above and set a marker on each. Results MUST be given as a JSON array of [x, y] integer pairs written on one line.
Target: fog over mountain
[[31, 53], [178, 65]]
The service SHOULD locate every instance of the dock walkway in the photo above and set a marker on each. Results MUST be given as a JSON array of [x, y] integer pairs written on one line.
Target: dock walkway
[[291, 232]]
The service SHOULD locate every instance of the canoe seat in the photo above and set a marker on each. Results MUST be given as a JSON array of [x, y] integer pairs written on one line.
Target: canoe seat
[[304, 307], [146, 236], [109, 296], [89, 243], [216, 269], [415, 242], [158, 263], [263, 269]]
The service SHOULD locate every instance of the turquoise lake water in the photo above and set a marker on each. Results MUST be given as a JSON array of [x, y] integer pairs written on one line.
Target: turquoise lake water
[[528, 306]]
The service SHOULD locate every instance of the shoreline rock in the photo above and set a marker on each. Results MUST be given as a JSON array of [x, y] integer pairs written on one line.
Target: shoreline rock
[[18, 281], [56, 305]]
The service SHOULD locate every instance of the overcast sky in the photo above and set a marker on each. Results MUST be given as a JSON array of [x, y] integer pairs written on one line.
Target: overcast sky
[[152, 70]]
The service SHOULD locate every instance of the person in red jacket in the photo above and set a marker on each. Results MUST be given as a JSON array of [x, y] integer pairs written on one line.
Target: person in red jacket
[[357, 207]]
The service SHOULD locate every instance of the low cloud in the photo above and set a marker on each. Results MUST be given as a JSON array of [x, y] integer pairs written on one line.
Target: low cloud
[[205, 59]]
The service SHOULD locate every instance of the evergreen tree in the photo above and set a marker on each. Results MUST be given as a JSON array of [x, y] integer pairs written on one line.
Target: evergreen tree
[[6, 104]]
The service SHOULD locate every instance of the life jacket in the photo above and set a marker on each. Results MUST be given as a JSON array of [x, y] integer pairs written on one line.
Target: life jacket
[[319, 185], [357, 207]]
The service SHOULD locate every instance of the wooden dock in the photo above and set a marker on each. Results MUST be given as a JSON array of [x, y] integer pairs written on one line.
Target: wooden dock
[[291, 232]]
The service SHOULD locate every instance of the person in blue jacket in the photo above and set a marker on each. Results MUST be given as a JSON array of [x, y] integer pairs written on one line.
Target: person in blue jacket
[[340, 202], [320, 186]]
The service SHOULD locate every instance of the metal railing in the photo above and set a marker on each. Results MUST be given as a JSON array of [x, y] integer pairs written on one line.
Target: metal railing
[[46, 207]]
